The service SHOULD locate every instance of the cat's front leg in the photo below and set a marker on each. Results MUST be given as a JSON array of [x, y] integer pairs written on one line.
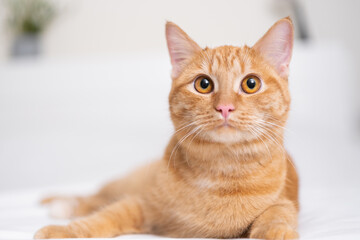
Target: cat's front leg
[[122, 217], [277, 222]]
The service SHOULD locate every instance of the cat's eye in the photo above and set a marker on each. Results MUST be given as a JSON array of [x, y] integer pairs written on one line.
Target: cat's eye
[[204, 84], [251, 84]]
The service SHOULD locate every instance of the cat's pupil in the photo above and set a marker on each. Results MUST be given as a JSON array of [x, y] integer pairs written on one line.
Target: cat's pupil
[[251, 83], [204, 83]]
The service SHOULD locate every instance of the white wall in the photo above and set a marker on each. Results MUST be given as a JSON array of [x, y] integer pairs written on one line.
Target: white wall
[[113, 27], [90, 27]]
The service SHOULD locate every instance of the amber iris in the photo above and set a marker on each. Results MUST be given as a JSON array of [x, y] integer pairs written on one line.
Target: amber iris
[[251, 84], [204, 84]]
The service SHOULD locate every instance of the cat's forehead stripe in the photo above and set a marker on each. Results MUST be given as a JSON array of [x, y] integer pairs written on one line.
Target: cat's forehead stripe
[[228, 60], [206, 64]]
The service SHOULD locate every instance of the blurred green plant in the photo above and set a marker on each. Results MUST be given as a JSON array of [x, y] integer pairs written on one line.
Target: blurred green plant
[[30, 17]]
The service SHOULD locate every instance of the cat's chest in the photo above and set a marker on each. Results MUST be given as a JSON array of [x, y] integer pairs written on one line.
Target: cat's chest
[[207, 202], [223, 199], [208, 205]]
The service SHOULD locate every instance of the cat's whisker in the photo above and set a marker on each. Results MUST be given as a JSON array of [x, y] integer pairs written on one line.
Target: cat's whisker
[[200, 130], [273, 118], [258, 136], [274, 121], [186, 126], [276, 132], [278, 145], [188, 134], [271, 137], [273, 124], [284, 152], [179, 143]]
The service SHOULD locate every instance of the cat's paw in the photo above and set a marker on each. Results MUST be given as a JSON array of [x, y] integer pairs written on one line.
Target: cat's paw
[[281, 231], [62, 207], [54, 231]]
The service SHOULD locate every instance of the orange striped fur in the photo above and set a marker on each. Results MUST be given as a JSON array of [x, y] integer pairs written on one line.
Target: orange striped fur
[[215, 180]]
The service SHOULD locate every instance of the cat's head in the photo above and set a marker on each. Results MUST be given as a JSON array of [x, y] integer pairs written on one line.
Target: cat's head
[[230, 94]]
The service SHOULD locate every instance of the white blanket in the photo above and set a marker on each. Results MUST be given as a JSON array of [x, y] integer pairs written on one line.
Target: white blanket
[[326, 213]]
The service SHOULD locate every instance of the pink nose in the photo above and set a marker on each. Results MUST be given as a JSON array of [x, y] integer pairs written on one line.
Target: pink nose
[[225, 109]]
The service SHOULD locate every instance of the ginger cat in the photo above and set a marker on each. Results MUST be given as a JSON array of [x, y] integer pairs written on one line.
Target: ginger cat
[[224, 173]]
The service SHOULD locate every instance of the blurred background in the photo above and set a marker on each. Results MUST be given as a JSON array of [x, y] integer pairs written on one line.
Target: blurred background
[[84, 84]]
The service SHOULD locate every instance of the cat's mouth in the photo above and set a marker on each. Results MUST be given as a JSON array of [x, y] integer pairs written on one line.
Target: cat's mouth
[[225, 126], [226, 132]]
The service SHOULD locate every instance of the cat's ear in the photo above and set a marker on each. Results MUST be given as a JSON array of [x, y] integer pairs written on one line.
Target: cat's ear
[[276, 45], [181, 48]]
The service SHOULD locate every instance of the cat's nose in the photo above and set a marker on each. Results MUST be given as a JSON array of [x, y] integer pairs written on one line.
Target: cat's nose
[[225, 109]]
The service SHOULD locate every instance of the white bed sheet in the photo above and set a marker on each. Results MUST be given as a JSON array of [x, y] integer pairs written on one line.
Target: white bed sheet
[[326, 213]]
